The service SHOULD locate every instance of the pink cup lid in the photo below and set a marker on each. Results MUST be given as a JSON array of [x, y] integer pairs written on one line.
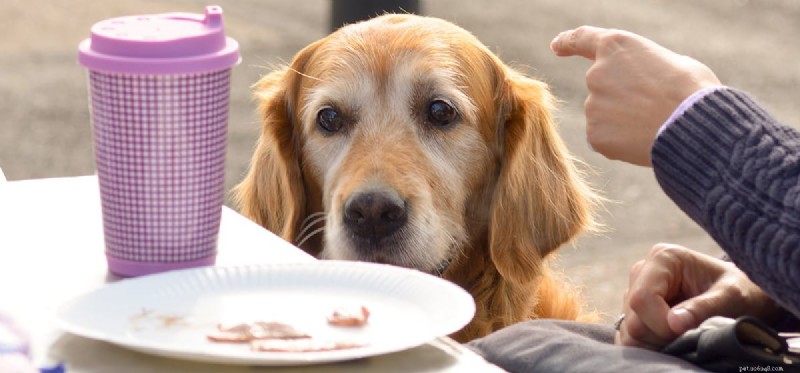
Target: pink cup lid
[[171, 43]]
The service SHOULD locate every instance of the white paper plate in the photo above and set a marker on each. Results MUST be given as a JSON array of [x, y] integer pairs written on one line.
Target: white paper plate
[[171, 313]]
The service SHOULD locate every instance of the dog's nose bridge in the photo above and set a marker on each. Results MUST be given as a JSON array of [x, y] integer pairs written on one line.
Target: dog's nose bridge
[[379, 147]]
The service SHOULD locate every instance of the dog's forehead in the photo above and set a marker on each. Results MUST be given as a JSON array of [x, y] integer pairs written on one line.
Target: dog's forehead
[[384, 43]]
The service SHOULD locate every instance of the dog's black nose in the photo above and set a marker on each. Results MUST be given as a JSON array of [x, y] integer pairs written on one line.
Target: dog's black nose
[[374, 215]]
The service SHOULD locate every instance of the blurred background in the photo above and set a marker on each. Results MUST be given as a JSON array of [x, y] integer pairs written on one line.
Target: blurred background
[[45, 129]]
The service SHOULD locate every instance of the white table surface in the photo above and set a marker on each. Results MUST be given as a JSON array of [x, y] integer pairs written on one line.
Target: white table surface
[[51, 249]]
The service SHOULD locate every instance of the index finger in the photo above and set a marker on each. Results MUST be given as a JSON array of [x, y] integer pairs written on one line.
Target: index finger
[[581, 41]]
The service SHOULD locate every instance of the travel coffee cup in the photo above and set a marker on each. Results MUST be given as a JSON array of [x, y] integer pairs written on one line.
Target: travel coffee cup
[[159, 88]]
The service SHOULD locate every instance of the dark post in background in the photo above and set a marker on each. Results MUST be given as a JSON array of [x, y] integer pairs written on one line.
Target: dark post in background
[[351, 11]]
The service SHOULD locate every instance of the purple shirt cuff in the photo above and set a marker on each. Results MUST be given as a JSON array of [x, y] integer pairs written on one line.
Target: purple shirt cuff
[[685, 105]]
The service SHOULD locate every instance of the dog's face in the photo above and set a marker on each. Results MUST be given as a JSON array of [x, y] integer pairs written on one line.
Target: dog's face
[[399, 131], [411, 142]]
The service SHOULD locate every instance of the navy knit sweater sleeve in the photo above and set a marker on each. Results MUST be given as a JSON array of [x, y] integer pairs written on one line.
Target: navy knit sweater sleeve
[[736, 171]]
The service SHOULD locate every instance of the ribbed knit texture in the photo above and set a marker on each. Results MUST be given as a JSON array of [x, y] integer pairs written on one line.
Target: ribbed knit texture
[[736, 171]]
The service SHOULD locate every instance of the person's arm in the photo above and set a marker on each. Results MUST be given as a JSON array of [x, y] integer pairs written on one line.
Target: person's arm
[[743, 194], [736, 171]]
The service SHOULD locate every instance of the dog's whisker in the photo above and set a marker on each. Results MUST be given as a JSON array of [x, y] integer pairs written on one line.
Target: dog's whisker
[[312, 234], [312, 216], [307, 225]]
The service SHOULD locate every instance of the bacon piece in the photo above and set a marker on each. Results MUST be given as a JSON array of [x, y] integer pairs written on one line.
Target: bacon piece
[[247, 332], [300, 345], [234, 334], [349, 317]]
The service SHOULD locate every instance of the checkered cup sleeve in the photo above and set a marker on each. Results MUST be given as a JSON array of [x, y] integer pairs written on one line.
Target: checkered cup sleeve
[[160, 153]]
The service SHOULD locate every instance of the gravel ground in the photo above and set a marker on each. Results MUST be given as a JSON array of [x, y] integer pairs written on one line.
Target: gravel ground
[[751, 45]]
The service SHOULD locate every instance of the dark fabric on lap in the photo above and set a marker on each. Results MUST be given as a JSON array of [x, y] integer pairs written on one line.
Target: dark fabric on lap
[[568, 346]]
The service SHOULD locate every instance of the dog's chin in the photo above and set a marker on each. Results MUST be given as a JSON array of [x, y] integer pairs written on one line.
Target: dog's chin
[[387, 251]]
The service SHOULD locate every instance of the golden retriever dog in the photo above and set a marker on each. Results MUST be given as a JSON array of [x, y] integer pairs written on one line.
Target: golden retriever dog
[[404, 140]]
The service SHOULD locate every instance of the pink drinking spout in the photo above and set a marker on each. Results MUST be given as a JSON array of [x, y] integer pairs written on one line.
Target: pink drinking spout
[[213, 17]]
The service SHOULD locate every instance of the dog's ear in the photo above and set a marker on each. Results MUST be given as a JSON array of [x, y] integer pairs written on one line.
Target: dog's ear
[[540, 201], [272, 193]]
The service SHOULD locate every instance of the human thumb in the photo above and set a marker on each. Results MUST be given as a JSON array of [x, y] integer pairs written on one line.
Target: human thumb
[[693, 311]]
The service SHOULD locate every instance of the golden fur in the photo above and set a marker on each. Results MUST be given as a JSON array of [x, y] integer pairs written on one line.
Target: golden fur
[[492, 195]]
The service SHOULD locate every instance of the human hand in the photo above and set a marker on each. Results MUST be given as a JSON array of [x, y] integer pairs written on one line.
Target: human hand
[[675, 289], [634, 86]]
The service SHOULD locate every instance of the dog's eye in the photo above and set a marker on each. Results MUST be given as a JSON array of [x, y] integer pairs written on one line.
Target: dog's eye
[[441, 114], [329, 120]]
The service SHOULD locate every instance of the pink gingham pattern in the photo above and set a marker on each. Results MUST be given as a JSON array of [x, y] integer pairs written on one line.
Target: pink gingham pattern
[[160, 153]]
